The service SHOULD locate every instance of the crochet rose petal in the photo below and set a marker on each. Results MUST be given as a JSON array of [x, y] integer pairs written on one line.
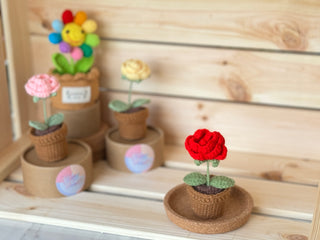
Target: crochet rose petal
[[206, 145], [42, 85]]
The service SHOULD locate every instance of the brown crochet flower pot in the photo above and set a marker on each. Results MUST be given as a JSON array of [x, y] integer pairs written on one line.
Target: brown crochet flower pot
[[132, 125], [52, 146], [77, 91], [208, 206]]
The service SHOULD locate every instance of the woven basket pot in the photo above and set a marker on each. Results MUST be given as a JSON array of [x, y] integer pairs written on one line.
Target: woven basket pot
[[132, 126], [77, 91], [208, 206], [52, 146]]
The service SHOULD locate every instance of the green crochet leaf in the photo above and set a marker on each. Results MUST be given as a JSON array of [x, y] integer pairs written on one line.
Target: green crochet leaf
[[61, 63], [84, 64], [215, 163], [53, 94], [198, 163], [35, 99], [38, 125], [118, 106], [221, 182], [139, 102], [195, 179], [56, 119]]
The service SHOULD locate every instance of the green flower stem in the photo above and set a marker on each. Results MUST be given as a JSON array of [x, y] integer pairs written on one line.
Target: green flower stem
[[44, 102], [208, 174], [129, 93], [72, 65]]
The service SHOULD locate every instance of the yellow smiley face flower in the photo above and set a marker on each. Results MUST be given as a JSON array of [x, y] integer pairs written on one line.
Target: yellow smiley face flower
[[75, 34]]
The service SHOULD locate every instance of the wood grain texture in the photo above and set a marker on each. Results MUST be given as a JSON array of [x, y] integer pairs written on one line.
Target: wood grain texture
[[19, 61], [136, 217], [285, 25], [247, 128], [269, 167], [240, 76], [5, 112], [271, 198], [10, 156], [315, 230]]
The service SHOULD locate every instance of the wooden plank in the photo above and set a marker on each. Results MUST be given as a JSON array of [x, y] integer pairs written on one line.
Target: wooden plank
[[10, 156], [277, 168], [274, 198], [5, 114], [281, 25], [206, 73], [127, 216], [315, 230], [19, 65], [25, 230], [283, 132]]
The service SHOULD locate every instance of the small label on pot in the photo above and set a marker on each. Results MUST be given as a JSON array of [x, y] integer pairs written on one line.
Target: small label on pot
[[76, 94], [139, 158], [70, 180]]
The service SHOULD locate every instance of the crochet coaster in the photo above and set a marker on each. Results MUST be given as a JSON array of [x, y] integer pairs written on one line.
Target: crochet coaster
[[237, 211]]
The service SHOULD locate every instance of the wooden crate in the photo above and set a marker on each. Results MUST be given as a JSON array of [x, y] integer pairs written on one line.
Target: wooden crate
[[246, 68]]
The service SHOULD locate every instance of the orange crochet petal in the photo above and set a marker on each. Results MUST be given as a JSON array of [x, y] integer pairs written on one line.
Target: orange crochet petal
[[80, 18]]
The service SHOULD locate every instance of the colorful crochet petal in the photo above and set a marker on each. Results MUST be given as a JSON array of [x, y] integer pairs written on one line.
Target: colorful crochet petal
[[57, 25], [65, 47], [80, 18], [67, 16], [87, 50], [92, 40], [89, 26], [76, 53], [55, 38]]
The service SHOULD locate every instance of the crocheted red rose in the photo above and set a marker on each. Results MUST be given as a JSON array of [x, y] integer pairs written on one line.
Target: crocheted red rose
[[205, 145]]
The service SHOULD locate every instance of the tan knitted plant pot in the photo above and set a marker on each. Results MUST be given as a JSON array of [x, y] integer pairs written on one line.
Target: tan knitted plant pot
[[132, 126], [208, 206], [52, 146], [77, 91]]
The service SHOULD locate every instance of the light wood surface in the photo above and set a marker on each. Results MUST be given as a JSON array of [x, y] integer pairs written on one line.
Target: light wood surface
[[5, 113], [246, 128], [288, 25], [10, 156], [19, 61], [315, 230], [206, 73], [271, 198], [136, 217]]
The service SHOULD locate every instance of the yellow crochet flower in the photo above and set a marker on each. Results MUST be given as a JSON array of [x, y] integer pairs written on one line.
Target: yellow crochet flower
[[135, 70]]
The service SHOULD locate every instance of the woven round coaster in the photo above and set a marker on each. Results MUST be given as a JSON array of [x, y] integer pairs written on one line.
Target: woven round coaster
[[237, 211]]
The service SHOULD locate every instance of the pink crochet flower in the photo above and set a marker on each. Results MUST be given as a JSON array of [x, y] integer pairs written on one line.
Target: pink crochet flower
[[42, 85]]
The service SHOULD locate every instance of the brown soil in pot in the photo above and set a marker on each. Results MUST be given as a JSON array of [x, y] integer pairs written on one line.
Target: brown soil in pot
[[207, 189], [51, 129]]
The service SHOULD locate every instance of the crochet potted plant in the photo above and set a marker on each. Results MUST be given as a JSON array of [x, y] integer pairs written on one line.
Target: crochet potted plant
[[49, 137], [131, 115], [80, 81], [208, 193]]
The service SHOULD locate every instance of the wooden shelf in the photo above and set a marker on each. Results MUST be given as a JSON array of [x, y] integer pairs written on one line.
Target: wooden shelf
[[131, 204]]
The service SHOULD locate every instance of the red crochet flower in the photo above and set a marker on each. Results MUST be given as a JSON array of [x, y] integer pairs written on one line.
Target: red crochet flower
[[205, 145]]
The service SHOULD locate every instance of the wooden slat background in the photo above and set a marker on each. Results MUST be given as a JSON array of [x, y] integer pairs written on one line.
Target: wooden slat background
[[287, 25], [248, 69], [5, 112]]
